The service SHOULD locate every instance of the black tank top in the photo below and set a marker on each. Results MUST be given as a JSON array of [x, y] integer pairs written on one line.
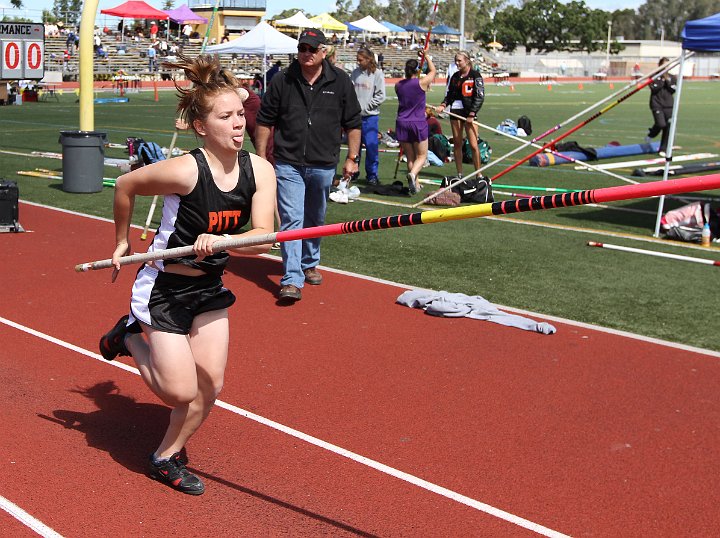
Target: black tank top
[[207, 209]]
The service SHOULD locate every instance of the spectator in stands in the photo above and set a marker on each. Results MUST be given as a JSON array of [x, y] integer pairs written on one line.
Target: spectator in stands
[[186, 32], [71, 42], [662, 89], [225, 37], [307, 152], [257, 84], [275, 69], [152, 58], [465, 95], [369, 83], [153, 30], [381, 61], [411, 126]]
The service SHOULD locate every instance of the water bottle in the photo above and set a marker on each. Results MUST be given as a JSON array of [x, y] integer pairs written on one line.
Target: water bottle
[[705, 237]]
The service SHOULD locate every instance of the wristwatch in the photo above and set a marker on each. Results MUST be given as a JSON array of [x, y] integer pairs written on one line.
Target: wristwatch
[[354, 158]]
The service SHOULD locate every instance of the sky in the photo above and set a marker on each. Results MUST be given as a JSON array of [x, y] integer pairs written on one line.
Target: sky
[[276, 6]]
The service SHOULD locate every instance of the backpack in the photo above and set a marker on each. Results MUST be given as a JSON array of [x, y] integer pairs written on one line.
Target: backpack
[[475, 190], [150, 152], [507, 126], [525, 124], [440, 146], [483, 147]]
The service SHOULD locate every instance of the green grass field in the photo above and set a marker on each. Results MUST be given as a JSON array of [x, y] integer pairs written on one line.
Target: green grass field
[[537, 261]]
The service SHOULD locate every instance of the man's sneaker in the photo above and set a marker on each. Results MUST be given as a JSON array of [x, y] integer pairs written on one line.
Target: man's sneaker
[[289, 293], [174, 473], [373, 181], [313, 276], [112, 344]]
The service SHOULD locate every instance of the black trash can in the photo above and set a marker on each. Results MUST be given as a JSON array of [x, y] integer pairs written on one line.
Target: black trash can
[[83, 160]]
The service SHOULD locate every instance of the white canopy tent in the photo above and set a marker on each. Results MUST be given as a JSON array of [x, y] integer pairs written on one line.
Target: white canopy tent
[[368, 24], [299, 20], [263, 40], [698, 35]]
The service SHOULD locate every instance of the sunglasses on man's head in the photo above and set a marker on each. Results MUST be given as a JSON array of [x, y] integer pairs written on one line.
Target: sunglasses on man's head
[[307, 48]]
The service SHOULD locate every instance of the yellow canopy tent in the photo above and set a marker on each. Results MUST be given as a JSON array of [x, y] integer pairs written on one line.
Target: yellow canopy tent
[[327, 22]]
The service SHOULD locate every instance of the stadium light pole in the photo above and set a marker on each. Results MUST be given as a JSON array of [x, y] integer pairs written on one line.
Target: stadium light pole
[[462, 25], [607, 51]]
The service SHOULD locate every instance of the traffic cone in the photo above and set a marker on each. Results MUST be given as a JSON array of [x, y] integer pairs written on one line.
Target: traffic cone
[[580, 86], [156, 90], [512, 87], [612, 86], [549, 87]]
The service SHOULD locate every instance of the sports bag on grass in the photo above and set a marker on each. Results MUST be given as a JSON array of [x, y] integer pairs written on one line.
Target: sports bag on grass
[[483, 147], [472, 191]]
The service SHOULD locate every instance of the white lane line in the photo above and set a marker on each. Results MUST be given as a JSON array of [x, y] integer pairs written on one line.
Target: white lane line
[[419, 482], [26, 519]]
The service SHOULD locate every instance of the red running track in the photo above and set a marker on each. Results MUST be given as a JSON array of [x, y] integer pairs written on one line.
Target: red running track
[[583, 433]]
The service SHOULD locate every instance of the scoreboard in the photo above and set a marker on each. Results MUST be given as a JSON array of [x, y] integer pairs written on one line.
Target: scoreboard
[[22, 51]]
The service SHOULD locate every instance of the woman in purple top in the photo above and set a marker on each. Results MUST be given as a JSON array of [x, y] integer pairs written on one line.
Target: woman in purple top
[[411, 128]]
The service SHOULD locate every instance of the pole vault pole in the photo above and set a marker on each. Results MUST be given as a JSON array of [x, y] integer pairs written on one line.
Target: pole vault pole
[[654, 253], [526, 143], [153, 204], [427, 37], [508, 135], [583, 123], [536, 203]]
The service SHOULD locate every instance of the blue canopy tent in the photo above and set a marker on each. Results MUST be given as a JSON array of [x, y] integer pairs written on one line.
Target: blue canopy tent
[[393, 27], [444, 29], [702, 35], [414, 28]]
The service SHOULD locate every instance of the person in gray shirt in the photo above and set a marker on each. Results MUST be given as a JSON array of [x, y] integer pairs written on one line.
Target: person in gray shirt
[[369, 83]]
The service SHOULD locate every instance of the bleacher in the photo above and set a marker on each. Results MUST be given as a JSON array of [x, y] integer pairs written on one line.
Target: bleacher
[[133, 61]]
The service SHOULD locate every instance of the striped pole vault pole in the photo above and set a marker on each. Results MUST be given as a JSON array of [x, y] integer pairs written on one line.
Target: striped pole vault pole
[[658, 70], [607, 194], [583, 123], [427, 37]]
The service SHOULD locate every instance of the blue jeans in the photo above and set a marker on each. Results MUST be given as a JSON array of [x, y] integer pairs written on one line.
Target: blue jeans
[[370, 140], [302, 193]]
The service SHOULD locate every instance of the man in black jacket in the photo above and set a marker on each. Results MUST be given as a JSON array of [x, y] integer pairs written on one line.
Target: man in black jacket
[[309, 104], [662, 89]]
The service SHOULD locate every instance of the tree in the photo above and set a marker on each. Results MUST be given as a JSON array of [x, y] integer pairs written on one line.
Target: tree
[[624, 21], [16, 3], [68, 11], [343, 10], [168, 5], [668, 17], [367, 7]]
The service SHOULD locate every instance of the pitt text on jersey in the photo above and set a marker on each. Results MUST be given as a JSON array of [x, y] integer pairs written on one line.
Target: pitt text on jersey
[[219, 221]]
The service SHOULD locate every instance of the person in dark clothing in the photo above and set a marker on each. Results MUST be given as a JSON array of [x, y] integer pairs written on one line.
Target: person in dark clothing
[[662, 89], [274, 70], [309, 104], [465, 95]]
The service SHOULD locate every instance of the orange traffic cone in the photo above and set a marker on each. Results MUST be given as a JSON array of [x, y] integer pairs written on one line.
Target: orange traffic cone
[[156, 90], [512, 87], [580, 86], [549, 87], [612, 86]]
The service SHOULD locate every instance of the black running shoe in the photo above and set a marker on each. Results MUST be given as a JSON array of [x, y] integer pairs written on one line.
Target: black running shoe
[[174, 473], [112, 344]]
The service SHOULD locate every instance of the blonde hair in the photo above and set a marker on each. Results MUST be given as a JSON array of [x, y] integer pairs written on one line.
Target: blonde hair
[[464, 53], [209, 79], [330, 52]]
